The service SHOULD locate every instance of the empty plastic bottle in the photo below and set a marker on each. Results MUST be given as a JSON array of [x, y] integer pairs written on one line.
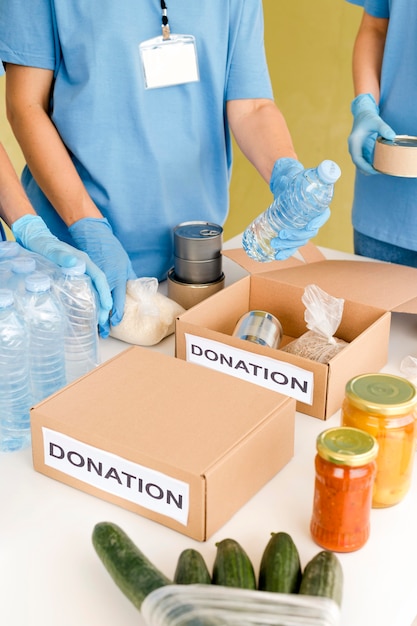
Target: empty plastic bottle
[[306, 196], [46, 322], [15, 397], [79, 301]]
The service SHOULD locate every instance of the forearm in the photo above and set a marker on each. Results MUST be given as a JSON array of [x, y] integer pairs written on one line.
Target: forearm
[[368, 54], [42, 146], [261, 133], [13, 200]]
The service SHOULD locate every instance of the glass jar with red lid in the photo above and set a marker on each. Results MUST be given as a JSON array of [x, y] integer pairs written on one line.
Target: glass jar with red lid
[[345, 473]]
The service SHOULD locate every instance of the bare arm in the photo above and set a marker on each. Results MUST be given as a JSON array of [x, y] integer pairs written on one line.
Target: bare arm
[[261, 132], [13, 200], [27, 98], [367, 55]]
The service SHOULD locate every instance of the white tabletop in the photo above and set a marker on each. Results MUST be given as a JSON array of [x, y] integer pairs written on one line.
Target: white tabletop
[[50, 574]]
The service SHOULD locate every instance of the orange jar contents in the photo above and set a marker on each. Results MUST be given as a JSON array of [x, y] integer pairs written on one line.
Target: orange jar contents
[[386, 407], [345, 472]]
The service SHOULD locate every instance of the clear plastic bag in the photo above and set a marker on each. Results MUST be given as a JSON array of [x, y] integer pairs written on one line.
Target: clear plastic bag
[[323, 315], [149, 316], [214, 605]]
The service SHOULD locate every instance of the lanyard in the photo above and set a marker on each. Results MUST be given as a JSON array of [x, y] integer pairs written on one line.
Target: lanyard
[[165, 24]]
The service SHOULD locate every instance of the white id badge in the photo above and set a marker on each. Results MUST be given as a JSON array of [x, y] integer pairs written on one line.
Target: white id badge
[[167, 62]]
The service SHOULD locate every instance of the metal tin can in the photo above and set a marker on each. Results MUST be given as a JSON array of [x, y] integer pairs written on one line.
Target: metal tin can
[[197, 241], [259, 327], [385, 406], [345, 473]]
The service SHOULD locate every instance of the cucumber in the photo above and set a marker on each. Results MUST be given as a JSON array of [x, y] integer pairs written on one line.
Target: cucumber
[[323, 576], [132, 572], [280, 568], [232, 567], [191, 568]]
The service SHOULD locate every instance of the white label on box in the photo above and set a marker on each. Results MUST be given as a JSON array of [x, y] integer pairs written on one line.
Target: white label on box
[[111, 473], [280, 376]]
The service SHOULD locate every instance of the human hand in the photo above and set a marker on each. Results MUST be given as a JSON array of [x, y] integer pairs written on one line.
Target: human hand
[[284, 170], [289, 240], [367, 125], [31, 232], [96, 238]]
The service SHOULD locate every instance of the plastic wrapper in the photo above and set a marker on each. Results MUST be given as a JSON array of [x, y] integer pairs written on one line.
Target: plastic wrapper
[[323, 315], [408, 368], [214, 605], [149, 316]]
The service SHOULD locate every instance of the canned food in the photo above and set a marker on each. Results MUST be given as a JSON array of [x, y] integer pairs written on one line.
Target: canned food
[[259, 327], [345, 473], [198, 241], [385, 406]]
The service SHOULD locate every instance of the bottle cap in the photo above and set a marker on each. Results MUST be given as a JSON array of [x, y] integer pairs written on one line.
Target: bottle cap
[[75, 270], [23, 265], [37, 282], [6, 298], [382, 394], [329, 171], [347, 446], [9, 249]]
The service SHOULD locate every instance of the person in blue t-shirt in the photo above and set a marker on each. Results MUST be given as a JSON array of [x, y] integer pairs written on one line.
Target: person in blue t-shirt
[[126, 127], [384, 214]]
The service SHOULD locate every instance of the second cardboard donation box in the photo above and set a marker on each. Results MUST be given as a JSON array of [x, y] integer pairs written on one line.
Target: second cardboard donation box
[[174, 442]]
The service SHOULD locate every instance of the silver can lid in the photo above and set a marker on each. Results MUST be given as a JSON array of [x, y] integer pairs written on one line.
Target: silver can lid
[[197, 241]]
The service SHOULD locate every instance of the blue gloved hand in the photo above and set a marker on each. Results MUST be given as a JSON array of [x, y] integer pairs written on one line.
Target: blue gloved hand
[[367, 125], [290, 239], [284, 169], [33, 234], [96, 238]]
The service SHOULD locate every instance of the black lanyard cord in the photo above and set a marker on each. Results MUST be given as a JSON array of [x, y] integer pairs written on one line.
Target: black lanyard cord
[[165, 23]]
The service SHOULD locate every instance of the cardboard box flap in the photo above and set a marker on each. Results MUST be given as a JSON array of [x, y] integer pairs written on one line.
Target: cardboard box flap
[[306, 254], [387, 286]]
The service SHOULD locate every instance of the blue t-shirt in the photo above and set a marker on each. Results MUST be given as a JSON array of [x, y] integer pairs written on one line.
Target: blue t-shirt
[[385, 207], [150, 159]]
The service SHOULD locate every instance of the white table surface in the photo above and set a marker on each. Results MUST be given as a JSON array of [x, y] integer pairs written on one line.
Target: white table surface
[[50, 574]]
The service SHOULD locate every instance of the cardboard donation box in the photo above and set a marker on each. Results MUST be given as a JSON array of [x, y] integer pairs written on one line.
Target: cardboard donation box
[[169, 440], [370, 291]]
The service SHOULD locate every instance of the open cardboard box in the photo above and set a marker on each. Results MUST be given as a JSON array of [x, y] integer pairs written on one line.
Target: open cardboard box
[[371, 290], [169, 440]]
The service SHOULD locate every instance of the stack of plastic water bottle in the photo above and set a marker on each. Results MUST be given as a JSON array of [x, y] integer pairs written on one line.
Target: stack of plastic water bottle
[[48, 335]]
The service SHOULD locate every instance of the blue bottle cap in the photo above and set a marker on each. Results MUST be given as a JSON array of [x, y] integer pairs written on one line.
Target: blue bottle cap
[[75, 270], [37, 282], [23, 265], [329, 171], [9, 249]]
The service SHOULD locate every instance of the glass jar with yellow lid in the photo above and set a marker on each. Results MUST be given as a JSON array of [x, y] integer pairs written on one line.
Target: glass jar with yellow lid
[[345, 472], [385, 406]]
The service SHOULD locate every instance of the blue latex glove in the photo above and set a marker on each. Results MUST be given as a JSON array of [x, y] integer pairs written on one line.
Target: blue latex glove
[[367, 125], [33, 234], [96, 238], [290, 239]]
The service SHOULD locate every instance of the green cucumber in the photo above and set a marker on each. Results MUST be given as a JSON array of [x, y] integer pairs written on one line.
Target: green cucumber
[[232, 567], [191, 568], [132, 572], [280, 568], [323, 576]]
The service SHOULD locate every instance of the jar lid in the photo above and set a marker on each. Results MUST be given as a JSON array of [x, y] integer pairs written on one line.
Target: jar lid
[[347, 446], [383, 394]]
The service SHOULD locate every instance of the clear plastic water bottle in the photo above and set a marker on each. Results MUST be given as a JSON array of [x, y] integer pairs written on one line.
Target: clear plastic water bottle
[[15, 397], [9, 250], [46, 322], [79, 301], [306, 196]]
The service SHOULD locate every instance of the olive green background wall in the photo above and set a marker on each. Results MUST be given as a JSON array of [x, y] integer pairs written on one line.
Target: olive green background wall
[[309, 47]]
